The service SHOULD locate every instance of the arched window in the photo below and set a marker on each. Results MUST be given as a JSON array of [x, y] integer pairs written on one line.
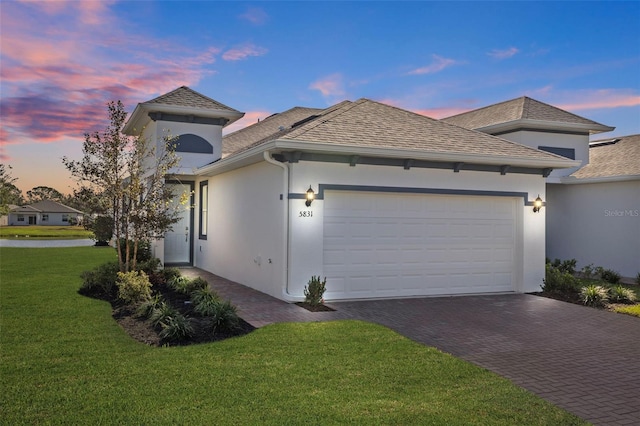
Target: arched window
[[193, 143]]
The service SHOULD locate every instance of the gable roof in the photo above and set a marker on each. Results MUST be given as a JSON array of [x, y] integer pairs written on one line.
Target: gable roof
[[45, 206], [612, 157], [524, 113]]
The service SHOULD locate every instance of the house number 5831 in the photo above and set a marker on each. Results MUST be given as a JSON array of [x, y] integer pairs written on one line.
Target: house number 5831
[[305, 213]]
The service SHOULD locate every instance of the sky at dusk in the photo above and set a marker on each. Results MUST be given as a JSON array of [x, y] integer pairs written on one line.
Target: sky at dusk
[[61, 62]]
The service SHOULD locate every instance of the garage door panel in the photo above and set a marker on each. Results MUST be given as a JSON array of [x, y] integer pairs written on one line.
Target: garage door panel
[[416, 244]]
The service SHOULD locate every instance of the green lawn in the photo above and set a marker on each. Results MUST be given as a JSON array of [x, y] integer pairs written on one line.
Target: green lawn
[[64, 360], [44, 232]]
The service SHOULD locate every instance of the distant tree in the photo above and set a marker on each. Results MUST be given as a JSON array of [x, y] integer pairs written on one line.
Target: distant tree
[[87, 201], [127, 174], [9, 193], [40, 193]]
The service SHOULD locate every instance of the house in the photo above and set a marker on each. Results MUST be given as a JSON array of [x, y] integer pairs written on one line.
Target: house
[[382, 201], [593, 209], [46, 212]]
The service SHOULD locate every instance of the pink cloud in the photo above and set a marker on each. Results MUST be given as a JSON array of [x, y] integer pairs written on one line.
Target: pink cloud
[[330, 86], [255, 15], [438, 64], [243, 52], [598, 99], [63, 61], [503, 53]]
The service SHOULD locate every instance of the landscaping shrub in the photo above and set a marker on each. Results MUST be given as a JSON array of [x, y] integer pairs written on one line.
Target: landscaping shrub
[[557, 281], [203, 295], [638, 278], [150, 266], [149, 306], [610, 276], [176, 328], [102, 228], [162, 313], [621, 294], [186, 286], [594, 295], [315, 290], [133, 286], [100, 282], [587, 271], [225, 317], [171, 273], [568, 266]]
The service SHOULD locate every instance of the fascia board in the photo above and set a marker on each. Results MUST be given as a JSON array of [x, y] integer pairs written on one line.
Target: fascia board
[[425, 155], [254, 155], [571, 180], [142, 110], [245, 158], [544, 125]]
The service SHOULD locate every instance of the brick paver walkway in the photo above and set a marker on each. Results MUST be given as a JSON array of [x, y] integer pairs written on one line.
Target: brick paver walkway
[[584, 360]]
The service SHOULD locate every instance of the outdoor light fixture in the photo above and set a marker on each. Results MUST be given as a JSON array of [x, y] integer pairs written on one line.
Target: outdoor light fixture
[[310, 196], [537, 204]]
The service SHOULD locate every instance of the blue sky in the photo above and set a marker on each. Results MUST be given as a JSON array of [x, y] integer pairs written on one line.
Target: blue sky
[[62, 61]]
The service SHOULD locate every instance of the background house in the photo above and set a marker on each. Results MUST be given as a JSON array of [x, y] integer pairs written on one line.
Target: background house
[[404, 205], [44, 212], [593, 209]]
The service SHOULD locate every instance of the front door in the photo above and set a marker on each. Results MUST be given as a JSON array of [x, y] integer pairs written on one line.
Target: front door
[[178, 241], [32, 220]]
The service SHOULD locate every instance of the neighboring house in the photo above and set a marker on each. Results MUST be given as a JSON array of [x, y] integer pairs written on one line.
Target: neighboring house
[[4, 219], [44, 212], [592, 209], [404, 205]]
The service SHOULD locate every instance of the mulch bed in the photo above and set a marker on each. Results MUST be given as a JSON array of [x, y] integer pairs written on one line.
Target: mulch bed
[[315, 308], [141, 329]]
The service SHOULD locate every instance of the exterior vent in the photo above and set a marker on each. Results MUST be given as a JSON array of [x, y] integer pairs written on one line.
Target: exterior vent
[[603, 143]]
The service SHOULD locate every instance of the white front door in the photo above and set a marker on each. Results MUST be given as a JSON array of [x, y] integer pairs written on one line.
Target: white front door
[[177, 242]]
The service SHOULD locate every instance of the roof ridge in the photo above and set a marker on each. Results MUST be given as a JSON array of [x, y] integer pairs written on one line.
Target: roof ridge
[[535, 101], [484, 107], [328, 113], [269, 118]]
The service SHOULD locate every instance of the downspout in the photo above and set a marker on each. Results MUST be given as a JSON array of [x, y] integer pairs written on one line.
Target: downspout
[[285, 195]]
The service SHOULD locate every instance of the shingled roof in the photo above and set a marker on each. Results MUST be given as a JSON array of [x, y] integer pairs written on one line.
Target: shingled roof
[[523, 108], [264, 129], [184, 96], [366, 123], [46, 206], [612, 157]]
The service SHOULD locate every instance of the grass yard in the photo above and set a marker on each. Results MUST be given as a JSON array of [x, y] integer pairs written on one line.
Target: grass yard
[[64, 360], [44, 232], [630, 310]]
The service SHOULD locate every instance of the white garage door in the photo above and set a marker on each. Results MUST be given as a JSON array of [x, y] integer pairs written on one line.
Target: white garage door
[[386, 245]]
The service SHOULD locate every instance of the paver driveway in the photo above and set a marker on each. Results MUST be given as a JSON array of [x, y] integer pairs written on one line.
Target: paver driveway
[[584, 360]]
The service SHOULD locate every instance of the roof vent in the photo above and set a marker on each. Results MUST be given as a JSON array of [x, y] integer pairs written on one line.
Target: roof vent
[[603, 143], [281, 128]]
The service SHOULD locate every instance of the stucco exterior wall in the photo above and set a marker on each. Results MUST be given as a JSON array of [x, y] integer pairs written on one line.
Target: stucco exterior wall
[[579, 143], [54, 219], [306, 232], [595, 223], [190, 161], [245, 239]]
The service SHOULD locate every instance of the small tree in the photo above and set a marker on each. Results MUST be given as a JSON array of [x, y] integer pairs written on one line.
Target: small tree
[[128, 173], [9, 193]]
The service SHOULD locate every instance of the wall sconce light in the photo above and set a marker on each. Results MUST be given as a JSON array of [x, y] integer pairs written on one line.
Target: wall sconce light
[[537, 204], [310, 196]]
